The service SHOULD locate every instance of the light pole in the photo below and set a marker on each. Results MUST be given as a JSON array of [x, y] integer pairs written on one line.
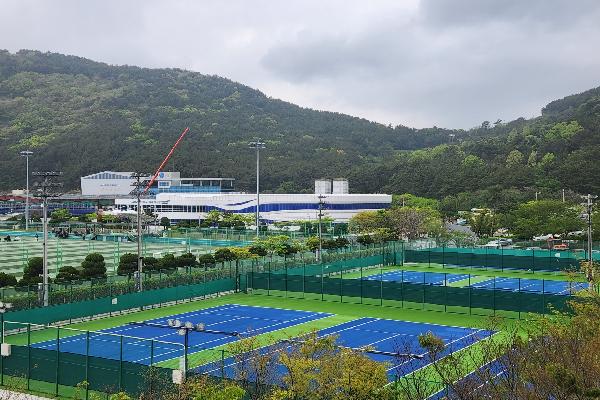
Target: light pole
[[26, 154], [138, 192], [321, 203], [257, 145], [44, 191], [589, 204]]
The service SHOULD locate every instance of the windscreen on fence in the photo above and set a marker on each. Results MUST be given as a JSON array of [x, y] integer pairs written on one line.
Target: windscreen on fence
[[535, 260], [421, 290], [63, 361]]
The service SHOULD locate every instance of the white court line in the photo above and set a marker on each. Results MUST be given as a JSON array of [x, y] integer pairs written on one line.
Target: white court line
[[204, 344]]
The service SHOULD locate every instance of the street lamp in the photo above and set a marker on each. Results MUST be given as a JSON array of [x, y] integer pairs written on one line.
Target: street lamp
[[184, 329], [257, 145], [45, 192], [26, 154]]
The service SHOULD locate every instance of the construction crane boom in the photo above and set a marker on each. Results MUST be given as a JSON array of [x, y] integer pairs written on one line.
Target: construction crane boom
[[185, 131]]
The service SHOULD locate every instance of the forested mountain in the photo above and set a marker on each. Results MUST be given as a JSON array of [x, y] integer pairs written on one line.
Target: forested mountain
[[81, 116]]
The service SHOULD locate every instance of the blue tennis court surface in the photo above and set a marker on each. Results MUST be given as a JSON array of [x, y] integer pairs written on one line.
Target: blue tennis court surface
[[431, 278], [492, 371], [382, 335], [165, 343], [512, 284], [532, 285]]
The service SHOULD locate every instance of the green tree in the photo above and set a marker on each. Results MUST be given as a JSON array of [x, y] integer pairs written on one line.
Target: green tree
[[224, 254], [483, 222], [367, 221], [168, 262], [60, 215], [165, 222], [7, 280], [128, 264], [186, 260], [319, 369], [258, 249], [206, 260], [545, 217], [67, 274], [93, 266], [312, 243], [151, 264], [412, 223], [32, 272]]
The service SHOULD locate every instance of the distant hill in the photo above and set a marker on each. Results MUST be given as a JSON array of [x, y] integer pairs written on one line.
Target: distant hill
[[82, 116]]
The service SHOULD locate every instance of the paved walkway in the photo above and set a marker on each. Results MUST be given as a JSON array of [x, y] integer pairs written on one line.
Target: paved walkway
[[8, 395]]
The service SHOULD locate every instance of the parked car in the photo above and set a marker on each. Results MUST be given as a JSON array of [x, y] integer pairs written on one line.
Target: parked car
[[545, 237]]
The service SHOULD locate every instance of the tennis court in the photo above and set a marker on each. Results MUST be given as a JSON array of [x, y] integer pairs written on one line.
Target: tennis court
[[391, 341], [154, 340], [531, 285], [510, 284], [431, 278]]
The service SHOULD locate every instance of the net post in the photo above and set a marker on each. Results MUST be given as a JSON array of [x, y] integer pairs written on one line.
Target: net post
[[222, 363]]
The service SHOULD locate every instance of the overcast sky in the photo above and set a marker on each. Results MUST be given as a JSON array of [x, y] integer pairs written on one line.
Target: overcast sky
[[450, 63]]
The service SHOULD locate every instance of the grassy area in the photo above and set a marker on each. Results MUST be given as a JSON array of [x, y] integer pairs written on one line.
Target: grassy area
[[438, 268]]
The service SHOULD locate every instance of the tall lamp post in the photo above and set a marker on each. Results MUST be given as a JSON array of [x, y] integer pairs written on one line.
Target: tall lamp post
[[26, 154], [321, 204], [257, 145], [138, 193], [44, 191]]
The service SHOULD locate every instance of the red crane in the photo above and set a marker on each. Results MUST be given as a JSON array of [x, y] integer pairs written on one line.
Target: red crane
[[185, 131]]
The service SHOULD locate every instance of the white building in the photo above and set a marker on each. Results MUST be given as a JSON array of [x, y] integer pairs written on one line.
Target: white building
[[109, 183], [273, 207]]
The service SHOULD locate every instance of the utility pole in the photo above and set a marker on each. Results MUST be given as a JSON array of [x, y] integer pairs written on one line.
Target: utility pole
[[563, 195], [26, 154], [589, 204], [536, 195], [44, 191], [138, 191], [257, 145], [321, 204]]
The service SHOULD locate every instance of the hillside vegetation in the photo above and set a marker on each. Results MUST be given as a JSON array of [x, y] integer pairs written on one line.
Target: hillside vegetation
[[81, 116]]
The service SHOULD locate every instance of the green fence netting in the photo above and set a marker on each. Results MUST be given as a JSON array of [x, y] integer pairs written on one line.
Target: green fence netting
[[442, 297], [534, 260]]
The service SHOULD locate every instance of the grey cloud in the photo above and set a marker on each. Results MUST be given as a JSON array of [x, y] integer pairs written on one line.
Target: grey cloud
[[449, 63]]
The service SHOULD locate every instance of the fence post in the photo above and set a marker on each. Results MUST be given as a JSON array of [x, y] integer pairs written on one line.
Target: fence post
[[470, 290], [341, 285], [381, 286], [87, 364], [446, 292], [322, 272], [121, 363], [57, 359], [303, 279], [28, 354], [269, 279], [361, 284]]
